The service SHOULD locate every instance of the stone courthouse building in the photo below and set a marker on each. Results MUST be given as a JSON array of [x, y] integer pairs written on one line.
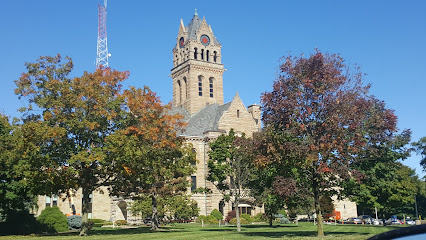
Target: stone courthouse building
[[197, 76], [197, 81]]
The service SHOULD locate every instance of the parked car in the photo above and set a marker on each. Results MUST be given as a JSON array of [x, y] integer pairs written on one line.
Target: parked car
[[147, 221], [394, 221], [410, 221], [354, 220], [377, 221], [366, 219]]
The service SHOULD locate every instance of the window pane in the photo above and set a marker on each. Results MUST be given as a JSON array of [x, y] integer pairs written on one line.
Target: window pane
[[194, 183]]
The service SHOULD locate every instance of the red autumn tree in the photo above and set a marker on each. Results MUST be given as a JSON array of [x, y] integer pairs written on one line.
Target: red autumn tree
[[319, 107], [154, 161]]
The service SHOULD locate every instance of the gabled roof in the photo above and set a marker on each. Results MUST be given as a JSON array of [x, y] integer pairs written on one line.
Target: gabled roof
[[205, 120]]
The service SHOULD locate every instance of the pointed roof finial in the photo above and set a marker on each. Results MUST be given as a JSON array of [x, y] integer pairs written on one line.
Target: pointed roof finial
[[195, 14]]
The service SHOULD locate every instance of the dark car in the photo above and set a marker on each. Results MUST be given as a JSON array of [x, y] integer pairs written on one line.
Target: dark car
[[366, 219], [354, 221]]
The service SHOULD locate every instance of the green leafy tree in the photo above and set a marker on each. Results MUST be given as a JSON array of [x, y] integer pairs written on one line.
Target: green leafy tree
[[420, 147], [181, 207], [154, 160], [178, 207], [384, 183], [66, 124], [16, 198], [142, 206], [230, 167], [420, 199], [319, 107]]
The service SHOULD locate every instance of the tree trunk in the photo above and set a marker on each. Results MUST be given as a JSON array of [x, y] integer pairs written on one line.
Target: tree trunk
[[154, 218], [237, 213], [270, 215], [85, 212], [315, 187]]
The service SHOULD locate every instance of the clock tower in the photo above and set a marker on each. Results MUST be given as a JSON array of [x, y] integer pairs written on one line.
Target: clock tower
[[197, 68]]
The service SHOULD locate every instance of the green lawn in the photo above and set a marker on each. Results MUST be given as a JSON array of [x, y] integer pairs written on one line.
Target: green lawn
[[196, 232]]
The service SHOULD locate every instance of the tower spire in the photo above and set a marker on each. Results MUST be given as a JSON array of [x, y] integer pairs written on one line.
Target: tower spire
[[195, 14], [102, 46]]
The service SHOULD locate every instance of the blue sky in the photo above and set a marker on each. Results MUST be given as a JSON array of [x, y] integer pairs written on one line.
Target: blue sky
[[387, 38]]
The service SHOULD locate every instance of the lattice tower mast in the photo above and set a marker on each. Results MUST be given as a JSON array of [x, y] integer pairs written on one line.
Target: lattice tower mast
[[102, 48]]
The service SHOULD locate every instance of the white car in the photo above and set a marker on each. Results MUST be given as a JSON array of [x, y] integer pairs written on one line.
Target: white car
[[409, 221], [377, 222]]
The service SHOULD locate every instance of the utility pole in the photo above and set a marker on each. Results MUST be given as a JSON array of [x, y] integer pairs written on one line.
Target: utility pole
[[102, 46], [415, 204]]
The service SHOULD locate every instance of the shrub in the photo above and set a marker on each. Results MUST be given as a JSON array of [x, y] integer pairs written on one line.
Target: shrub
[[90, 224], [207, 219], [20, 222], [234, 221], [96, 220], [100, 224], [218, 215], [74, 222], [284, 221], [120, 222], [231, 215], [261, 217], [282, 212], [53, 219], [247, 217]]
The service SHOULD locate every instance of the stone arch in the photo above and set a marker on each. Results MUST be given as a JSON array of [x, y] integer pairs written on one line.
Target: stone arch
[[221, 206], [122, 213]]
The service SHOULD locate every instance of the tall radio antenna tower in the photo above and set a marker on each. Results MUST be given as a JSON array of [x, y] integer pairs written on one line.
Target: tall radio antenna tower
[[102, 49]]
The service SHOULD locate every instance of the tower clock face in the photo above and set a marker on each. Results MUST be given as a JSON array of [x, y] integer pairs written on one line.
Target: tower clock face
[[181, 42], [205, 40]]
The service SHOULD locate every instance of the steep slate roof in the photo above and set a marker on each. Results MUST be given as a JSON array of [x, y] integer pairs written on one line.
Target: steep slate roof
[[207, 119], [181, 111], [193, 27]]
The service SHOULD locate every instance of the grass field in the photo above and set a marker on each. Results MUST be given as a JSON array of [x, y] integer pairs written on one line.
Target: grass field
[[196, 232]]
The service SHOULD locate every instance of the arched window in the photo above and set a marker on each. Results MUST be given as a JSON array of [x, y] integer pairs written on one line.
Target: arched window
[[214, 56], [211, 86], [238, 113], [195, 53], [202, 54], [194, 162], [207, 55], [185, 88], [179, 92], [200, 85]]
